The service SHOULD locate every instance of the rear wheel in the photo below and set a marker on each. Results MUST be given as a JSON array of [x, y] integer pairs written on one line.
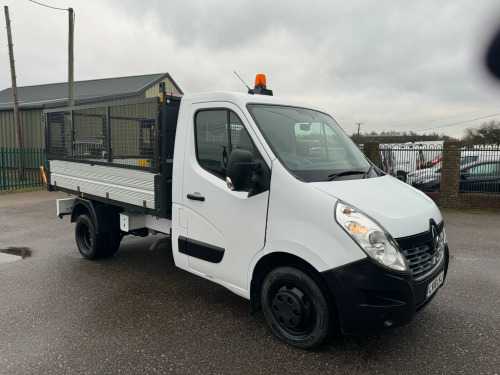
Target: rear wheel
[[93, 245], [113, 240], [295, 307]]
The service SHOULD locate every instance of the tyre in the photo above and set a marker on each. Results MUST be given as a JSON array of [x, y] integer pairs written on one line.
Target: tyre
[[295, 307], [90, 244], [401, 175], [113, 240]]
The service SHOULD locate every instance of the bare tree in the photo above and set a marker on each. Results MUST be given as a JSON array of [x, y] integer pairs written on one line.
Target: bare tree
[[488, 133]]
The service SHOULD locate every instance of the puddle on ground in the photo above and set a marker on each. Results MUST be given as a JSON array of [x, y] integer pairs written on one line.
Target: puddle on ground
[[11, 254]]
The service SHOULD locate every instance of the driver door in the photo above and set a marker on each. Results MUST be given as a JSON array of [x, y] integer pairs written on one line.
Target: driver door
[[226, 229]]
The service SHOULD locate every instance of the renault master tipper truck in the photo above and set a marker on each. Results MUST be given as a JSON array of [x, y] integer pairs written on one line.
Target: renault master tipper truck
[[267, 197]]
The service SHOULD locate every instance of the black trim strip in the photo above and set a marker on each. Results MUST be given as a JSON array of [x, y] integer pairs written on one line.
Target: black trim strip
[[407, 242], [200, 250]]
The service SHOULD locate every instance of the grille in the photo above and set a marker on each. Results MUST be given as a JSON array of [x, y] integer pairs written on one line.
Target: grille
[[423, 259]]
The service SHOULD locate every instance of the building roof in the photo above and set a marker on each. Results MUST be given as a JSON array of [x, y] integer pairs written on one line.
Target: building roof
[[49, 95]]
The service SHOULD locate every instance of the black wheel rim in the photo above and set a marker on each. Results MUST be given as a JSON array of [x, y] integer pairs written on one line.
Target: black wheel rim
[[292, 309], [84, 238]]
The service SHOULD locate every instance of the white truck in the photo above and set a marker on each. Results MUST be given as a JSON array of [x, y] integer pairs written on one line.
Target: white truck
[[404, 158], [265, 196]]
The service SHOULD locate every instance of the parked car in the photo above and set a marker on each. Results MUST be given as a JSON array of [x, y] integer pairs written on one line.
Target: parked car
[[468, 156], [482, 175]]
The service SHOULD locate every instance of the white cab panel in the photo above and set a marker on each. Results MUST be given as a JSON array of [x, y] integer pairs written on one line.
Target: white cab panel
[[301, 222]]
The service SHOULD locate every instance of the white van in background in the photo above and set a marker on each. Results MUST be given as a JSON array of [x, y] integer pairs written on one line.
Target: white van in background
[[401, 159]]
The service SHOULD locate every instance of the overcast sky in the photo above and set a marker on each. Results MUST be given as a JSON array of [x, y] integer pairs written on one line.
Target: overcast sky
[[389, 64]]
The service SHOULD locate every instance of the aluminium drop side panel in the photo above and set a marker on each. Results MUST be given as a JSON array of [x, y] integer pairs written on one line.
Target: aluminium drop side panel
[[129, 186]]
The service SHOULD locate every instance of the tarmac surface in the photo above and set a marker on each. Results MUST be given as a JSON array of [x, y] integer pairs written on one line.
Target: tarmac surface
[[136, 313]]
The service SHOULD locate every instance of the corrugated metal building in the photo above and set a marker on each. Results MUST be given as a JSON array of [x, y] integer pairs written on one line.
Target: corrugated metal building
[[34, 99]]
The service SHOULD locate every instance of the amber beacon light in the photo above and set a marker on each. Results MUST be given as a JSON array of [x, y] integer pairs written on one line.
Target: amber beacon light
[[260, 85]]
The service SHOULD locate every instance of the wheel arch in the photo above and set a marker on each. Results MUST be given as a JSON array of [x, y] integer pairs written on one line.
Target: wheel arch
[[279, 259], [82, 206], [105, 217]]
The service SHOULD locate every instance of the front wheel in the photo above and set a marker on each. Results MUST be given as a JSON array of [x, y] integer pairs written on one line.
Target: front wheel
[[295, 307], [401, 175]]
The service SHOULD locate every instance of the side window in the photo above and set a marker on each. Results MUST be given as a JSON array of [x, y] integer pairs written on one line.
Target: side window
[[218, 132], [488, 169], [467, 159]]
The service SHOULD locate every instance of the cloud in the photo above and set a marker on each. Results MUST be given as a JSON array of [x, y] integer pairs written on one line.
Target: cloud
[[383, 63]]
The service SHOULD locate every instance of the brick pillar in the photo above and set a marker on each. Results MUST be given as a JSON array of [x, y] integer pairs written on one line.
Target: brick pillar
[[370, 149], [450, 175]]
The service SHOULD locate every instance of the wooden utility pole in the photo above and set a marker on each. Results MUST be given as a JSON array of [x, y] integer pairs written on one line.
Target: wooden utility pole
[[359, 125], [19, 139], [17, 123], [71, 78]]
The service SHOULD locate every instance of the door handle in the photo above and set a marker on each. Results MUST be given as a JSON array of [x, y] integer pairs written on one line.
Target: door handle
[[196, 197]]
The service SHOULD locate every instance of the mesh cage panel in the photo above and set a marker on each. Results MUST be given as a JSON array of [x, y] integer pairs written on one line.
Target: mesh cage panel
[[90, 134], [133, 134], [122, 133], [59, 134]]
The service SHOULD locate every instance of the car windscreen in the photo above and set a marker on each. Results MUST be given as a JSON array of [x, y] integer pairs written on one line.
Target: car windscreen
[[309, 143]]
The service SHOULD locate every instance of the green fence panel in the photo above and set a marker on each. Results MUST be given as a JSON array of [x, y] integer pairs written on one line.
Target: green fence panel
[[21, 168]]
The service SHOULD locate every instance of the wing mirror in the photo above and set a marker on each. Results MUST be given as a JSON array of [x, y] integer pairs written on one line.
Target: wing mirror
[[239, 170]]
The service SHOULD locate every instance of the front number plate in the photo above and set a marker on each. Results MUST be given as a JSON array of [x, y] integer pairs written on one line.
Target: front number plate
[[434, 284]]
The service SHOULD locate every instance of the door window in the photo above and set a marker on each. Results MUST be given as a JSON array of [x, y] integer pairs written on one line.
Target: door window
[[485, 169], [218, 132]]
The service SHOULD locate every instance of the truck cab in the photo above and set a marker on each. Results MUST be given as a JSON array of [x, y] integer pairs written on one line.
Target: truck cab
[[271, 199]]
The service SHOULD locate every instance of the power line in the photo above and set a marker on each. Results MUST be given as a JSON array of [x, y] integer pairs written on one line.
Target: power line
[[48, 6], [435, 127], [455, 123], [443, 126], [444, 118]]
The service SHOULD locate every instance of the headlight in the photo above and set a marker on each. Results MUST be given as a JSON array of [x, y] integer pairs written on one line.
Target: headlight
[[441, 241], [370, 236]]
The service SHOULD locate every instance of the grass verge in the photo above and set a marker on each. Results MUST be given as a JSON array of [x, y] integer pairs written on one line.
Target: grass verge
[[13, 191]]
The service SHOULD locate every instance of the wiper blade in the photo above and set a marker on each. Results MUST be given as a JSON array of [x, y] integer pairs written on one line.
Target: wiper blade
[[367, 173], [333, 176]]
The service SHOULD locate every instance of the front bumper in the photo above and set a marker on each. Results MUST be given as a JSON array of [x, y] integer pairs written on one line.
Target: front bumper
[[370, 298], [427, 186]]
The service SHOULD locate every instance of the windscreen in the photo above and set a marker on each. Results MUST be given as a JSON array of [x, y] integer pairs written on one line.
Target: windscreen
[[310, 144]]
